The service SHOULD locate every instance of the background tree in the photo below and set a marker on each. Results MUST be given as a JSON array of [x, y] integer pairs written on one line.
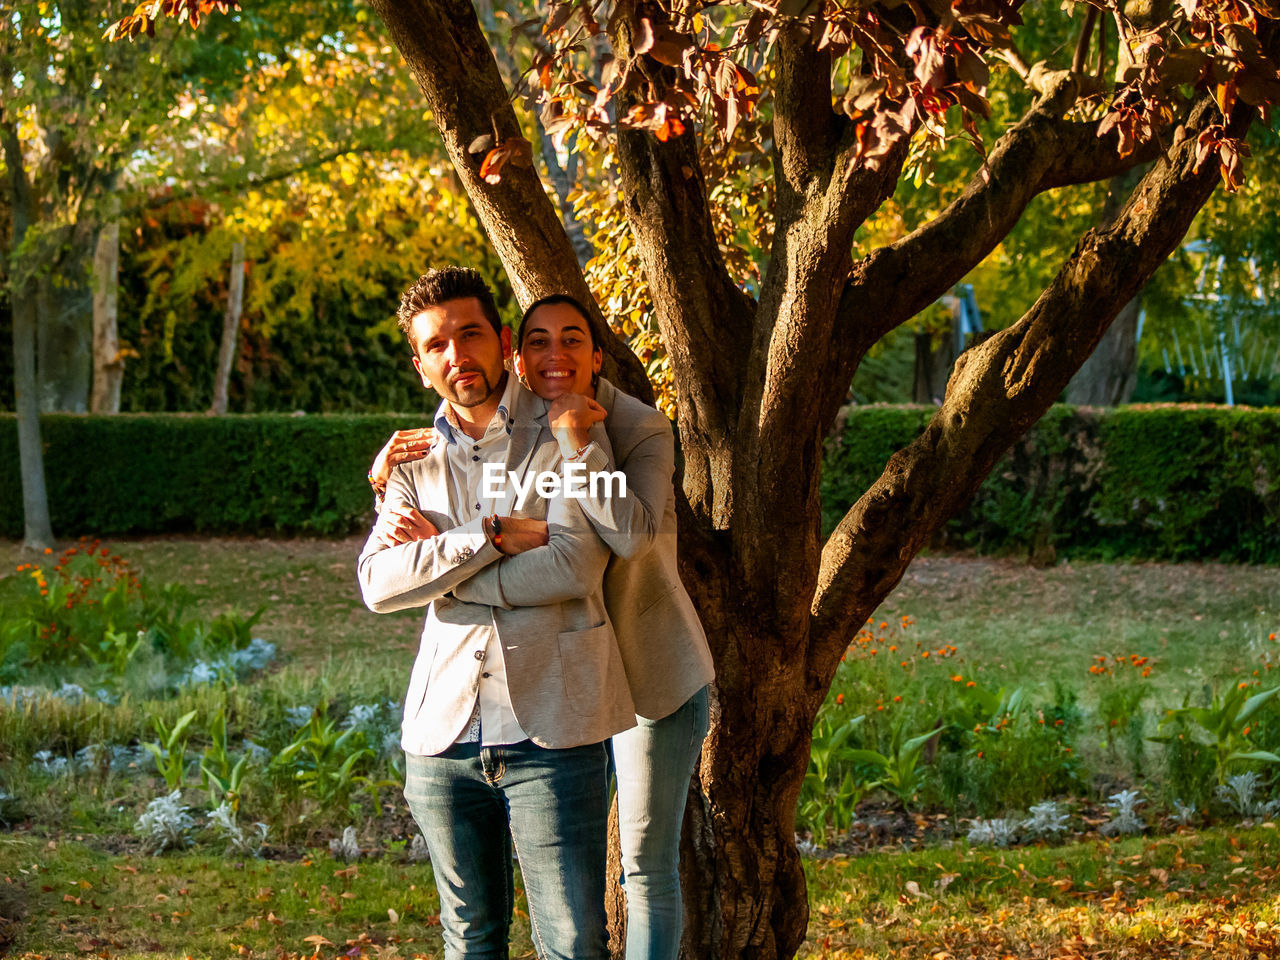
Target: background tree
[[856, 97]]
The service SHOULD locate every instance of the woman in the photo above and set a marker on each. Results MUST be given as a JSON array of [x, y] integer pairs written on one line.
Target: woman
[[664, 649]]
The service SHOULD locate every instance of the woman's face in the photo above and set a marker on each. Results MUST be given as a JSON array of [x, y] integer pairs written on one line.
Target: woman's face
[[556, 356]]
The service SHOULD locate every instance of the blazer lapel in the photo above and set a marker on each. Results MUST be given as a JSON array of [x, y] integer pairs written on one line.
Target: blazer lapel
[[527, 420]]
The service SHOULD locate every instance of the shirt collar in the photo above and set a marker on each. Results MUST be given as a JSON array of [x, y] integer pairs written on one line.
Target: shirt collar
[[446, 422]]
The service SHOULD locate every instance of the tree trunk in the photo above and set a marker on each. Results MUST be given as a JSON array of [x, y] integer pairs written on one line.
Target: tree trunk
[[37, 534], [65, 337], [1108, 377], [230, 327], [37, 531], [108, 364]]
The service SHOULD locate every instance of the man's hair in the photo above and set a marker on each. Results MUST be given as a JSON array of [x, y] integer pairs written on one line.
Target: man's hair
[[551, 301], [440, 286]]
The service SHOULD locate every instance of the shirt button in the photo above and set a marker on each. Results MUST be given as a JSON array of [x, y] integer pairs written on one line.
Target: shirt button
[[475, 458], [479, 654], [477, 506], [486, 675], [475, 446]]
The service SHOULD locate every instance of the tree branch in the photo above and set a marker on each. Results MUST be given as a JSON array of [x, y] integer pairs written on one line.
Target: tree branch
[[1001, 387], [824, 193], [1040, 153], [450, 59], [703, 317]]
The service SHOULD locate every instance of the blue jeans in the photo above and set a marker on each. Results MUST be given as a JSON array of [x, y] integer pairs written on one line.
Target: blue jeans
[[472, 803], [653, 762]]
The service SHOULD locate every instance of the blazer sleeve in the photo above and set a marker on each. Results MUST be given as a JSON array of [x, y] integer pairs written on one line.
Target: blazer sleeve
[[630, 524], [415, 573], [571, 565]]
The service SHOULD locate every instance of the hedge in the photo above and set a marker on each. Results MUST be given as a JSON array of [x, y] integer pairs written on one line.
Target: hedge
[[1173, 482], [165, 473], [1160, 482]]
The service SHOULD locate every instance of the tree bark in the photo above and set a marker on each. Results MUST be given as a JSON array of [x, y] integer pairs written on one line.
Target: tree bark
[[230, 329], [1108, 377], [108, 363]]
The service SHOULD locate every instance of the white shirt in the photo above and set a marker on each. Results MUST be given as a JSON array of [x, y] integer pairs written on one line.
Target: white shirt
[[493, 721]]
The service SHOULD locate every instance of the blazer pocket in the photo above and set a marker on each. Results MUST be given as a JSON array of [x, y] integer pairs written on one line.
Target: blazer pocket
[[584, 663]]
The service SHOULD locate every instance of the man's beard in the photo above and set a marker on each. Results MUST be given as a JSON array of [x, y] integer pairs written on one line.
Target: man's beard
[[476, 393]]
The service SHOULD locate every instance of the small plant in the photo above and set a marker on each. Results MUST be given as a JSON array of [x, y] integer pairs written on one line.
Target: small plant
[[899, 772], [1126, 820], [1123, 688], [821, 807], [1225, 725], [1048, 821], [418, 852], [1184, 814], [1001, 832], [1240, 793], [223, 821], [345, 848], [44, 761], [166, 824], [324, 759], [222, 776], [171, 751]]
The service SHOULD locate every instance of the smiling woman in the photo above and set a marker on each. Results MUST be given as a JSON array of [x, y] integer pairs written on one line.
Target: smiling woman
[[556, 350]]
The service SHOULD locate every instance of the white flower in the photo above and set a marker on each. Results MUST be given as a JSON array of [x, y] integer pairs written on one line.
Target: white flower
[[299, 716]]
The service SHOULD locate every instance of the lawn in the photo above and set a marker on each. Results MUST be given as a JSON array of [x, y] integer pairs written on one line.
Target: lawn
[[76, 881]]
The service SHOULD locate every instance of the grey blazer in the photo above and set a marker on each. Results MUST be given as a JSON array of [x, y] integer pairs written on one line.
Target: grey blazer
[[664, 648], [564, 672]]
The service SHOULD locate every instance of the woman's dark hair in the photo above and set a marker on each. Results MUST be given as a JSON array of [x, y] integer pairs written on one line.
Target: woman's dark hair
[[551, 301]]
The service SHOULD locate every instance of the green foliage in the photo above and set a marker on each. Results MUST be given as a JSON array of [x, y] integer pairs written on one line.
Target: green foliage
[[169, 473], [1224, 726], [833, 785], [85, 613], [170, 752], [323, 760], [1167, 482]]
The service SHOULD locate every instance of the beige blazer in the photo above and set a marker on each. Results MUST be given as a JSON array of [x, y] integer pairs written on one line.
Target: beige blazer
[[564, 672], [663, 646]]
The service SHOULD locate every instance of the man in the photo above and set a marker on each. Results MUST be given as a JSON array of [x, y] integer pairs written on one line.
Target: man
[[508, 706]]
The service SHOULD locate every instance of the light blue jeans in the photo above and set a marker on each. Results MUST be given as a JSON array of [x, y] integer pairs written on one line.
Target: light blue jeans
[[472, 803], [653, 762]]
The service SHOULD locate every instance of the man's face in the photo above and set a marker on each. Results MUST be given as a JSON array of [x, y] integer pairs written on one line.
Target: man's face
[[458, 354]]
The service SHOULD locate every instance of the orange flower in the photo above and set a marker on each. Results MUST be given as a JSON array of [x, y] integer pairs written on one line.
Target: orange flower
[[971, 683], [1245, 731], [1242, 685], [894, 648], [905, 664], [957, 678], [839, 699], [48, 550], [924, 655], [897, 699]]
